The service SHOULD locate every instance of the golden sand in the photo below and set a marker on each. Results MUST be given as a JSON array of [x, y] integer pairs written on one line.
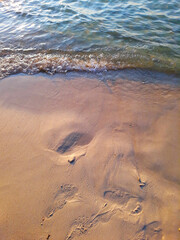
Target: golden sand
[[80, 159]]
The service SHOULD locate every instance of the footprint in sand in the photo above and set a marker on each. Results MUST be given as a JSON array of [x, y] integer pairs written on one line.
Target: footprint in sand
[[61, 197], [151, 231], [127, 202], [120, 196], [83, 224]]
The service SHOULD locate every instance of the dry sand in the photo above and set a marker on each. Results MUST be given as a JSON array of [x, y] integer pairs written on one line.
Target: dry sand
[[80, 159]]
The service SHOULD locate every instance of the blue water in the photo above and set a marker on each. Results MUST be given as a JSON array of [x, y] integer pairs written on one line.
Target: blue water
[[97, 35]]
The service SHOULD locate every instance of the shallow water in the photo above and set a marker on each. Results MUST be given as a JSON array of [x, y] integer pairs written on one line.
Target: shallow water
[[61, 35]]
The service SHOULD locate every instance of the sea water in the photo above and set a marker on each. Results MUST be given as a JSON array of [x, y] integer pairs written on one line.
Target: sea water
[[89, 35]]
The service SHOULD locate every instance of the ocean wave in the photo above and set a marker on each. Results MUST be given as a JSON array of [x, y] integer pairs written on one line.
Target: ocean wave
[[54, 61]]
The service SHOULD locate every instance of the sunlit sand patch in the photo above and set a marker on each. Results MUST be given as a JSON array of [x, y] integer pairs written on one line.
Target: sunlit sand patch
[[97, 164]]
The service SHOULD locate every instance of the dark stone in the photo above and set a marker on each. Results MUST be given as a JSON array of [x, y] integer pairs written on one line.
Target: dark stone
[[72, 161]]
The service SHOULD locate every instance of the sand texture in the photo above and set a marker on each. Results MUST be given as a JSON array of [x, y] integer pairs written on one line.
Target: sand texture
[[83, 159]]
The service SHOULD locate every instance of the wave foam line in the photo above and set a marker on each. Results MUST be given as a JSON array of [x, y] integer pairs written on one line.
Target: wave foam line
[[52, 62]]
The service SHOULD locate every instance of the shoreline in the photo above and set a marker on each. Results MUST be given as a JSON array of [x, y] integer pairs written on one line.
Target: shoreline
[[87, 159], [131, 74]]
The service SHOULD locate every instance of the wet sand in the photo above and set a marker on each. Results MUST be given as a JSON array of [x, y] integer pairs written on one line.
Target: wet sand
[[81, 159]]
